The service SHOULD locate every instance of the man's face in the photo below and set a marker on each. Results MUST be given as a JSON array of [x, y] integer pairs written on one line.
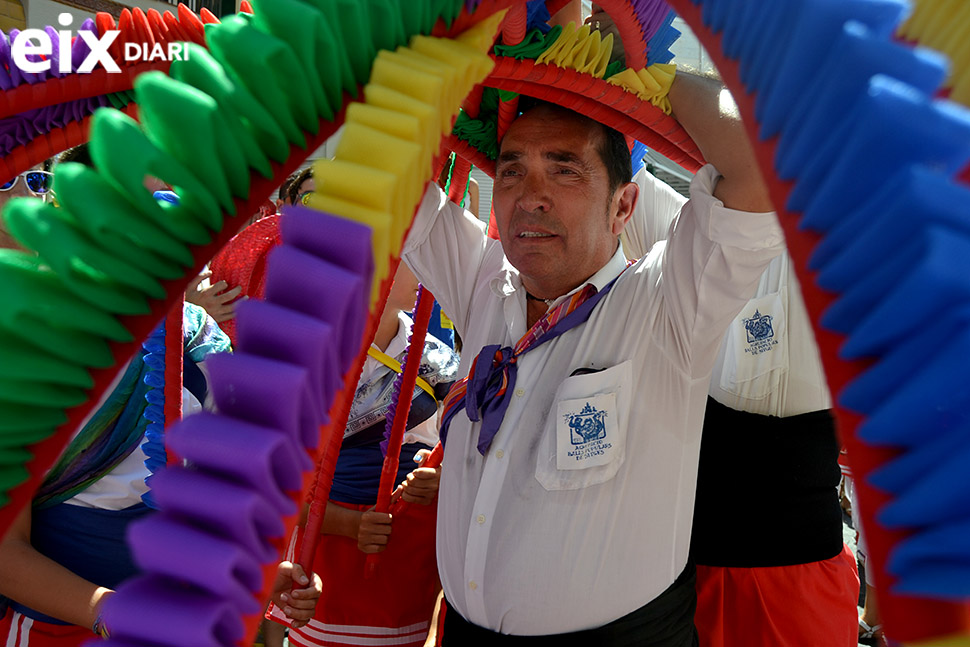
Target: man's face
[[556, 217]]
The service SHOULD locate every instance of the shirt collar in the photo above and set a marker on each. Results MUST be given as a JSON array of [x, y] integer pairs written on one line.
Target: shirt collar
[[507, 281], [613, 268]]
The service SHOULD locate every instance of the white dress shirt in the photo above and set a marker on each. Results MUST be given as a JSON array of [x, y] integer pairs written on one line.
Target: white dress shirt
[[546, 536], [774, 370]]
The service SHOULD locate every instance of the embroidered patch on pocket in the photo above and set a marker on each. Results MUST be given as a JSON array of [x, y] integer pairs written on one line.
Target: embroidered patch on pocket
[[587, 432]]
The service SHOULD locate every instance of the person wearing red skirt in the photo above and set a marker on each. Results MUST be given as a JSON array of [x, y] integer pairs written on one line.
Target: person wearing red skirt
[[772, 568], [394, 604]]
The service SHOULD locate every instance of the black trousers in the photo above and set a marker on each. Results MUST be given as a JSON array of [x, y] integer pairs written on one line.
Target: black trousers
[[665, 621]]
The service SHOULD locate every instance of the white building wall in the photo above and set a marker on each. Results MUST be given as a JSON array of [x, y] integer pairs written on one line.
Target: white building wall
[[41, 13], [688, 51]]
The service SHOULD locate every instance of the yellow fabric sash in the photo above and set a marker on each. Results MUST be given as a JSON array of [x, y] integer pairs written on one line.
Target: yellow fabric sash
[[395, 366]]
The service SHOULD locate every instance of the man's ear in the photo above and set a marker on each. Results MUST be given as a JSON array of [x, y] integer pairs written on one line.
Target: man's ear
[[624, 200]]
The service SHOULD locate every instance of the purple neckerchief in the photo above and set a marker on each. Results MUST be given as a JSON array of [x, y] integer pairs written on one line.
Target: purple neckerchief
[[485, 391]]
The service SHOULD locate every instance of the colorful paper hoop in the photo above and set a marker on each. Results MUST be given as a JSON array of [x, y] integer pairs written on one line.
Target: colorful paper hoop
[[776, 72]]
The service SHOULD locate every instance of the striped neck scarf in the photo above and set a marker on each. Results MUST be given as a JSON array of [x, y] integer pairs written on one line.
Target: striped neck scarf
[[109, 437], [484, 393]]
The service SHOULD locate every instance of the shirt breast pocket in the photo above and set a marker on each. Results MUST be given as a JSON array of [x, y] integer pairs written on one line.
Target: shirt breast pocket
[[584, 439]]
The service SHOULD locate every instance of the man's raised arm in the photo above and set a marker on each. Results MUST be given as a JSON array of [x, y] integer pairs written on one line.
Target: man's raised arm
[[445, 249], [708, 113]]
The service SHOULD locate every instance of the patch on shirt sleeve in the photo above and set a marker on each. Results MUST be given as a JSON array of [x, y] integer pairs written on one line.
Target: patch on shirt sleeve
[[587, 433], [756, 348]]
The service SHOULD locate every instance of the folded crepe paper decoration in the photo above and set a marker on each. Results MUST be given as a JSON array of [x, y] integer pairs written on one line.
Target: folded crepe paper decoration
[[44, 113], [812, 131]]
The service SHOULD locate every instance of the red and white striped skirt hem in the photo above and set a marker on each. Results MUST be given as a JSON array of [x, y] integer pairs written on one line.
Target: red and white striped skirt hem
[[17, 630], [318, 634]]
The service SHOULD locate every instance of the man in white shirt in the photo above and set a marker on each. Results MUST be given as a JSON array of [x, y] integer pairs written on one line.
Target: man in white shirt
[[769, 454], [566, 499]]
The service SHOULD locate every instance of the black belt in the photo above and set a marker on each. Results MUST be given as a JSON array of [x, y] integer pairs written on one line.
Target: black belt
[[764, 470], [665, 621]]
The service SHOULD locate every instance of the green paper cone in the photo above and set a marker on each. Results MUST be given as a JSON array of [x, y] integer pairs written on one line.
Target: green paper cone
[[264, 138], [41, 393], [125, 157], [303, 28], [19, 362], [270, 70], [186, 123], [39, 309], [107, 216], [87, 270]]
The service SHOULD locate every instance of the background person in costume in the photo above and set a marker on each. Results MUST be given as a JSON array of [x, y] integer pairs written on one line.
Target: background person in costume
[[767, 429], [301, 185], [395, 605], [64, 555], [870, 620], [33, 183], [570, 460], [216, 297], [283, 195]]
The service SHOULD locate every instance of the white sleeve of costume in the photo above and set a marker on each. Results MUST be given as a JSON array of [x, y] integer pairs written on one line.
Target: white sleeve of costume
[[778, 375], [769, 363], [709, 268], [656, 209], [447, 250]]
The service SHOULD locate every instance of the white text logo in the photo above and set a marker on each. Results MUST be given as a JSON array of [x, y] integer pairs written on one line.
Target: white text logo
[[32, 48]]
